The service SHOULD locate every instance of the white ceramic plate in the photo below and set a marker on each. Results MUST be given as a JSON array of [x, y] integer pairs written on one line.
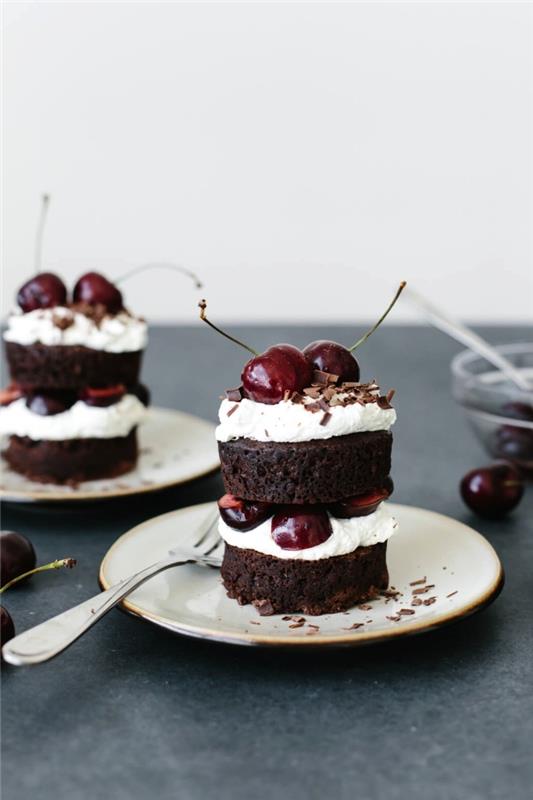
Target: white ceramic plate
[[460, 567], [174, 448]]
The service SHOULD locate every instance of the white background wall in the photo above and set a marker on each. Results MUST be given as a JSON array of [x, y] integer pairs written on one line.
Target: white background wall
[[302, 157]]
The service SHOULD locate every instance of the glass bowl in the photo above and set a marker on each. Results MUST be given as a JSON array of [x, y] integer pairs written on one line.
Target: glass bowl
[[500, 413]]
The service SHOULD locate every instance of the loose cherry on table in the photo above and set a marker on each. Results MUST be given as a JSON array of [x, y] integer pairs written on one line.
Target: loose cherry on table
[[243, 515], [16, 555], [360, 505], [44, 290], [104, 396], [7, 628], [94, 289], [300, 527], [494, 490]]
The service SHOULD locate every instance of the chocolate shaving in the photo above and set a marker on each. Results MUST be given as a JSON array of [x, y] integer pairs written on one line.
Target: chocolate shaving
[[326, 418], [383, 403], [313, 407], [417, 601], [451, 594], [390, 394], [418, 582], [312, 391], [406, 611], [397, 618], [365, 607], [234, 394], [424, 589], [232, 410], [296, 625], [429, 601], [264, 607], [354, 626], [62, 322], [324, 378]]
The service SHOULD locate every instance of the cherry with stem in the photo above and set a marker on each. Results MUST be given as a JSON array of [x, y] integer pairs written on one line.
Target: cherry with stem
[[202, 305]]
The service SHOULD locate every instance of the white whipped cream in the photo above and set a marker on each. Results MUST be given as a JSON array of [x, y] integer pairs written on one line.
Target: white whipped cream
[[348, 534], [81, 421], [290, 422], [119, 333]]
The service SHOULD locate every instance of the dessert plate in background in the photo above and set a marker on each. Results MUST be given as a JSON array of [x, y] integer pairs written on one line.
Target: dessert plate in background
[[174, 448], [430, 564]]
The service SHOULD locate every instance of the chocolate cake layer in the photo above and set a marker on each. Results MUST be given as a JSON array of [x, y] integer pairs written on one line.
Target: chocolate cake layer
[[70, 366], [286, 586], [319, 471], [72, 460]]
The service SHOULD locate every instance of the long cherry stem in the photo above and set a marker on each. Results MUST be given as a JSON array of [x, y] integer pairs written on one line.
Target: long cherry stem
[[360, 341], [61, 562], [45, 203], [162, 265], [203, 307]]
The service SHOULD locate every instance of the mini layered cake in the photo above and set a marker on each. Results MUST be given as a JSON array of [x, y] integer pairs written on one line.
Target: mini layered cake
[[72, 410], [305, 451]]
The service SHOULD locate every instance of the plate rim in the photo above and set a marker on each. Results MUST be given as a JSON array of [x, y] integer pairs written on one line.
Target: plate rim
[[22, 496], [334, 640]]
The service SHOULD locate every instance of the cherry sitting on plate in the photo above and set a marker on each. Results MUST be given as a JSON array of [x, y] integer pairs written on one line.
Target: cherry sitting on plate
[[16, 555], [359, 506], [300, 527], [44, 290], [243, 515], [494, 490], [94, 289]]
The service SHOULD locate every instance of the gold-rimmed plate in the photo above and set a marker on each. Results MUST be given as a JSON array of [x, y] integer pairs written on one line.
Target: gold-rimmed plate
[[441, 571], [174, 448]]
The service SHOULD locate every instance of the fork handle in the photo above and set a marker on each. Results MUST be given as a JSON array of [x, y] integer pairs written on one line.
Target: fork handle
[[50, 638]]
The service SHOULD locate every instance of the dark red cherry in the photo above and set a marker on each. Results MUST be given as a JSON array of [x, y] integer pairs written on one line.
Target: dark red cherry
[[103, 397], [265, 379], [16, 555], [300, 527], [515, 444], [518, 410], [492, 491], [359, 506], [302, 365], [333, 358], [7, 628], [44, 290], [95, 289], [48, 403], [243, 515]]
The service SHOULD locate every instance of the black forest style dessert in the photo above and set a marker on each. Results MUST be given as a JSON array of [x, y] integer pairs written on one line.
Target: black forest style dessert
[[72, 410], [305, 449]]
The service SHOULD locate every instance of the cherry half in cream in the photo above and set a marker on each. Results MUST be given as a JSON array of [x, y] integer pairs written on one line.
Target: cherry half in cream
[[359, 506], [243, 515], [300, 527]]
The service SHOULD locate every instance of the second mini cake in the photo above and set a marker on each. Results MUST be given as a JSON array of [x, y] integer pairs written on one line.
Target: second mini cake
[[72, 410]]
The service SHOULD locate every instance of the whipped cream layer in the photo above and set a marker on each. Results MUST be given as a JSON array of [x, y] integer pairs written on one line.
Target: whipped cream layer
[[348, 534], [80, 421], [119, 333], [291, 422]]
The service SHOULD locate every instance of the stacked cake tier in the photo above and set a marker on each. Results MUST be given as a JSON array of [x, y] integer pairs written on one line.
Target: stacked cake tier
[[72, 410], [304, 518]]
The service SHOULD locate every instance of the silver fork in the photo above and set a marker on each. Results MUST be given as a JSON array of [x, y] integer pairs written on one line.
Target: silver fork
[[50, 638]]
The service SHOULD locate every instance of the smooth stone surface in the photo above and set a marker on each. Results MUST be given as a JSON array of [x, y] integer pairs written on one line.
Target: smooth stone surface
[[131, 712]]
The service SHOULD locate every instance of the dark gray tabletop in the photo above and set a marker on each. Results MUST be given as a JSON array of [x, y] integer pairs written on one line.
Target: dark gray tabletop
[[132, 712]]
